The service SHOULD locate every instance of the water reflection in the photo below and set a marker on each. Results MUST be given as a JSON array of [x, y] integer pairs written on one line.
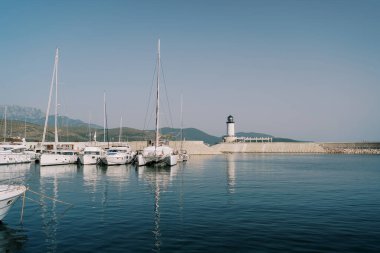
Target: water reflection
[[91, 177], [49, 178], [14, 172], [159, 179], [11, 240], [231, 173], [120, 175]]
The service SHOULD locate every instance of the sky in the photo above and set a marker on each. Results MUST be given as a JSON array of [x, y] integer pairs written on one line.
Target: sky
[[301, 69]]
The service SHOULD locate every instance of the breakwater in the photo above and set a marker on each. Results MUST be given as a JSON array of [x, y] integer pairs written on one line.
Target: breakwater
[[200, 148], [271, 147]]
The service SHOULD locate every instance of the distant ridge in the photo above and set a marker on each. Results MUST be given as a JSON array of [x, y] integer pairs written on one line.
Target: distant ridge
[[78, 130], [36, 116]]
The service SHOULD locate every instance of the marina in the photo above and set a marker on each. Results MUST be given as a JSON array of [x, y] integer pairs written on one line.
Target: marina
[[190, 126], [219, 203]]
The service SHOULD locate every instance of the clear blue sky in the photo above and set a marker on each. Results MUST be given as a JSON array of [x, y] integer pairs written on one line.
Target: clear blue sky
[[300, 69]]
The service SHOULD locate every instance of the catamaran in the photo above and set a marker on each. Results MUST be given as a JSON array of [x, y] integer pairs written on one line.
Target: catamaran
[[159, 153]]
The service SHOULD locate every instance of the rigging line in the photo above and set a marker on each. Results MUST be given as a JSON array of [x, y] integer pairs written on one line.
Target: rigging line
[[105, 108], [166, 95], [54, 199], [150, 96]]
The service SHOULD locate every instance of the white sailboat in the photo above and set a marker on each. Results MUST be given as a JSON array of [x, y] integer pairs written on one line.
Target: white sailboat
[[159, 153], [11, 153], [8, 196], [14, 153], [121, 154], [95, 154], [56, 156], [92, 155]]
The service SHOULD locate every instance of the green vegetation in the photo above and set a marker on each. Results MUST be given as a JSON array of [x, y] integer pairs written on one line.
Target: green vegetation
[[28, 122]]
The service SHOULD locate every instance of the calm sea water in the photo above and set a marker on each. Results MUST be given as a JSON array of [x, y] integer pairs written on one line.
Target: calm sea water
[[226, 203]]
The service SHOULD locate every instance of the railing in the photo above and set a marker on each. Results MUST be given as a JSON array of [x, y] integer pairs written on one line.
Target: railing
[[254, 139]]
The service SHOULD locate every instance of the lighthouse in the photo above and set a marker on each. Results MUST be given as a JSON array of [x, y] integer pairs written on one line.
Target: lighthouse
[[230, 137]]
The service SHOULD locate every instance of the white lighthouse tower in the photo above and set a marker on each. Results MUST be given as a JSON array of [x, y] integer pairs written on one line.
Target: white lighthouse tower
[[230, 137]]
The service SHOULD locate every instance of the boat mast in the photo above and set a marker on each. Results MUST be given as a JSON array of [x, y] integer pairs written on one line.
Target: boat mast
[[121, 122], [56, 104], [5, 124], [104, 118], [158, 95], [50, 94], [181, 121]]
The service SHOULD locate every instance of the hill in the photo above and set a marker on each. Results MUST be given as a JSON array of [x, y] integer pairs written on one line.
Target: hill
[[36, 116], [28, 122]]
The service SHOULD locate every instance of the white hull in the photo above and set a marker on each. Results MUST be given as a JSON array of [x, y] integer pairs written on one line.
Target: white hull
[[12, 158], [57, 159], [8, 196], [118, 159], [168, 160], [115, 160], [119, 155], [91, 155], [89, 159]]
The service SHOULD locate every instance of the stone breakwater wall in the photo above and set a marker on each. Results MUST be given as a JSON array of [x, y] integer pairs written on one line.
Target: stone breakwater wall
[[370, 148], [272, 147]]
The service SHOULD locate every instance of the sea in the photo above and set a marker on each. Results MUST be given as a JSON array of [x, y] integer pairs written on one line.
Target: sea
[[219, 203]]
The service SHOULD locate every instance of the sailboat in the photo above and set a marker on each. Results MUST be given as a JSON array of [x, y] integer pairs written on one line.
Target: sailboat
[[159, 153], [121, 154], [94, 154], [55, 156], [12, 152], [8, 196]]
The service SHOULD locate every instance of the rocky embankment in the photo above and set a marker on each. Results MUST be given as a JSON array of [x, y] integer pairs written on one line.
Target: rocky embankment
[[364, 148]]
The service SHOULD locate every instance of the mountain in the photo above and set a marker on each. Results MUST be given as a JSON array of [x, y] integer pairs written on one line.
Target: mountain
[[36, 116], [29, 122]]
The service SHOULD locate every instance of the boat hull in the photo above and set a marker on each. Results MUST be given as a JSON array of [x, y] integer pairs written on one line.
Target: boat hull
[[12, 158], [89, 159], [57, 159], [117, 159], [8, 196], [168, 160]]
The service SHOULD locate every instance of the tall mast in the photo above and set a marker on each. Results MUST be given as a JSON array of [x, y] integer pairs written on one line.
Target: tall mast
[[89, 127], [56, 103], [121, 123], [25, 127], [104, 118], [5, 124], [158, 95], [181, 120], [50, 94]]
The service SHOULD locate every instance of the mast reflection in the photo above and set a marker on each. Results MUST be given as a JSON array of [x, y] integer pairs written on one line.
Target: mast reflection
[[49, 178], [159, 179]]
